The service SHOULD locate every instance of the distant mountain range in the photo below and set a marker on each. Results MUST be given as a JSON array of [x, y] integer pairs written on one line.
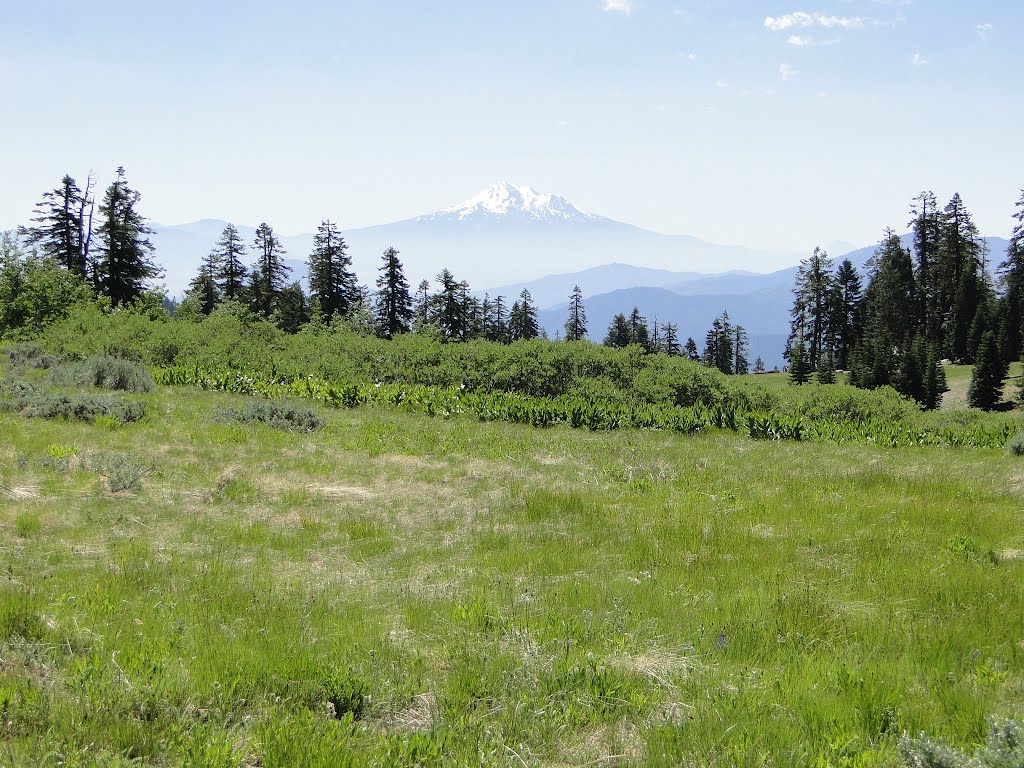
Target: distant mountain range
[[507, 236]]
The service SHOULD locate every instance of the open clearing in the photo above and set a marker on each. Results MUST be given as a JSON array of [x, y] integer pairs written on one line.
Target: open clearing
[[400, 590]]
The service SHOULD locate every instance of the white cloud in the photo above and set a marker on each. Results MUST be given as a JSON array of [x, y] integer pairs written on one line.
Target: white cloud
[[804, 20], [690, 56], [983, 30], [721, 84], [622, 6], [918, 60], [805, 41], [787, 72]]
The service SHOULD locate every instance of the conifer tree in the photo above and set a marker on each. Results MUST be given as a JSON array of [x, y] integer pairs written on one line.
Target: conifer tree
[[639, 333], [203, 287], [740, 348], [451, 308], [844, 313], [926, 227], [1011, 309], [759, 365], [826, 373], [719, 345], [522, 321], [231, 272], [690, 350], [124, 265], [394, 304], [962, 279], [618, 332], [293, 310], [576, 324], [496, 321], [331, 280], [810, 314], [799, 363], [270, 272], [670, 340], [985, 391], [422, 301], [63, 230]]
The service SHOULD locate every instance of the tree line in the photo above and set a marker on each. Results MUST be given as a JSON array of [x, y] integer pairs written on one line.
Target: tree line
[[938, 300]]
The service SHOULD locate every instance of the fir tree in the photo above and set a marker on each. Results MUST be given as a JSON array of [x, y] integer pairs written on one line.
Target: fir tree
[[124, 265], [962, 280], [759, 365], [1011, 309], [618, 332], [231, 272], [926, 226], [639, 334], [270, 272], [719, 345], [63, 230], [203, 287], [690, 350], [826, 373], [576, 323], [293, 310], [451, 308], [394, 304], [740, 348], [670, 340], [496, 321], [810, 314], [522, 321], [985, 391], [799, 363], [331, 280], [844, 313]]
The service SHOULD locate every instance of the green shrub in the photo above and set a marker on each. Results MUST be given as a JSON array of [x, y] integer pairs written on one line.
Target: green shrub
[[1004, 749], [83, 407], [122, 471], [31, 353], [108, 373], [279, 415], [1015, 445], [346, 693]]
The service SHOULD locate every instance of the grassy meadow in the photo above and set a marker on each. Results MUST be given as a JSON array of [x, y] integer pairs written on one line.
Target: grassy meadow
[[198, 589]]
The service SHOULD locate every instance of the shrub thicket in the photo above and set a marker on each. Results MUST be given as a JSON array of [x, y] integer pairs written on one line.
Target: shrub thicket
[[279, 415], [84, 407], [106, 372]]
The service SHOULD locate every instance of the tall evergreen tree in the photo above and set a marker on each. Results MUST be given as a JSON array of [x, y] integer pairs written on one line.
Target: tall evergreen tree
[[293, 310], [670, 340], [496, 321], [719, 345], [690, 350], [422, 301], [639, 334], [759, 365], [810, 314], [231, 272], [451, 308], [986, 388], [203, 287], [962, 278], [522, 321], [844, 313], [740, 349], [1011, 273], [331, 280], [394, 304], [124, 265], [576, 323], [270, 271], [926, 226], [63, 228], [799, 363], [618, 332]]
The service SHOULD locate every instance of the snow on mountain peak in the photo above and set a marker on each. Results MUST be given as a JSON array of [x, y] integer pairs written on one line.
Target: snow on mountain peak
[[508, 200]]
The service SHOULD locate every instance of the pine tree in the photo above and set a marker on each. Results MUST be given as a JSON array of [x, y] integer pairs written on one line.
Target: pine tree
[[522, 321], [124, 265], [740, 348], [759, 365], [962, 279], [576, 324], [618, 332], [799, 363], [670, 340], [451, 308], [231, 272], [203, 287], [810, 314], [270, 272], [292, 311], [496, 321], [63, 230], [331, 280], [986, 388], [639, 333], [844, 313], [719, 345], [1011, 309], [690, 350], [926, 226], [826, 373], [394, 304]]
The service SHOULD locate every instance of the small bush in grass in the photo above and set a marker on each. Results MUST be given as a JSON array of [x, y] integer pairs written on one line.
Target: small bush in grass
[[279, 415], [346, 693], [1015, 445], [123, 472], [108, 373], [32, 354], [83, 407], [1004, 749]]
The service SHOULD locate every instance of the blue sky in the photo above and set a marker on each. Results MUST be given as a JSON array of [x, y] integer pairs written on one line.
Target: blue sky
[[774, 125]]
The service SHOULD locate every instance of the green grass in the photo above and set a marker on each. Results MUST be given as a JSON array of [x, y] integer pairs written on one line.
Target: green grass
[[394, 589]]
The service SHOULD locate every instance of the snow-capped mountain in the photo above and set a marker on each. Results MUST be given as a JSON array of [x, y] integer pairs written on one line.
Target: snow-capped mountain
[[509, 202]]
